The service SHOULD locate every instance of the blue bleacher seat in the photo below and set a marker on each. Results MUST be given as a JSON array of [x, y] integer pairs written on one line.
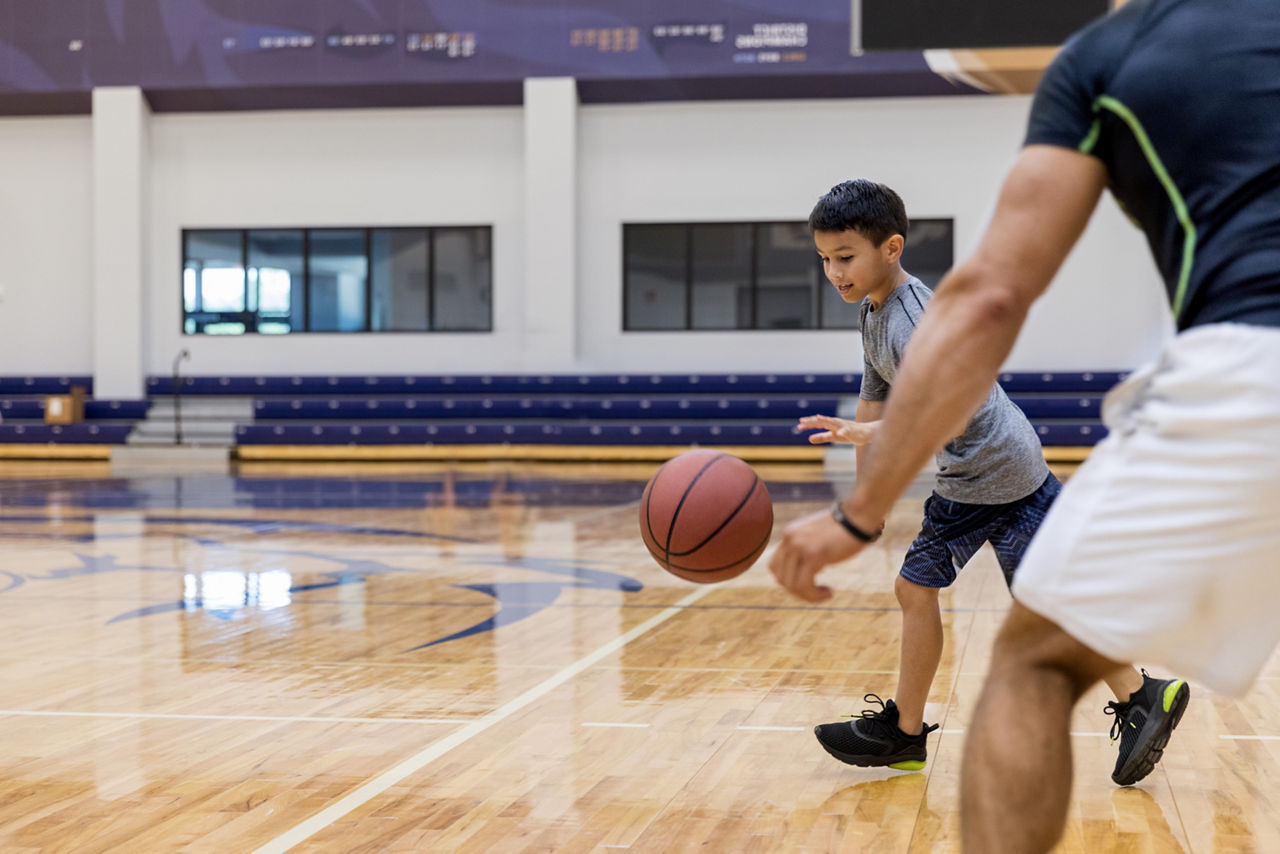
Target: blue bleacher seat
[[600, 408], [753, 409], [1072, 381], [519, 385], [83, 433], [43, 385]]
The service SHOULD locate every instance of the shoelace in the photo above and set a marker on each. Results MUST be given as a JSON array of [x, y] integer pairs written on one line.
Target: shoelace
[[880, 718], [877, 717], [1121, 712]]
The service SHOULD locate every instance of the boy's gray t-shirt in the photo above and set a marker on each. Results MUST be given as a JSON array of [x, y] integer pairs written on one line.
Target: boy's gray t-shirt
[[998, 458]]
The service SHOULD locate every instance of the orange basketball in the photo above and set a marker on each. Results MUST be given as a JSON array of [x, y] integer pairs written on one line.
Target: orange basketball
[[705, 516]]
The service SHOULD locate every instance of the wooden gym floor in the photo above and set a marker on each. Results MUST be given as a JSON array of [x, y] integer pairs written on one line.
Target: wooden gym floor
[[484, 659]]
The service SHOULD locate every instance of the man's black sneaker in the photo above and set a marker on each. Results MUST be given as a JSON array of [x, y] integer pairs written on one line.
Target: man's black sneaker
[[1143, 724], [873, 738]]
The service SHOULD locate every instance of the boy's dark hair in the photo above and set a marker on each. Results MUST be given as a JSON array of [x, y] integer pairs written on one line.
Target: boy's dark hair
[[873, 210]]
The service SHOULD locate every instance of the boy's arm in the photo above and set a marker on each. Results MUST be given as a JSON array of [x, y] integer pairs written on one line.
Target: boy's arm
[[869, 411], [859, 432]]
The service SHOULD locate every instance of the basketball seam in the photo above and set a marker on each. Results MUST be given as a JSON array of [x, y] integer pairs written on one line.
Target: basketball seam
[[750, 554], [671, 526], [648, 508], [728, 519]]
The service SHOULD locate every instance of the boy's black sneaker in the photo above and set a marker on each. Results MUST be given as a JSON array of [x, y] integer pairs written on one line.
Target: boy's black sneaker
[[1144, 723], [873, 739]]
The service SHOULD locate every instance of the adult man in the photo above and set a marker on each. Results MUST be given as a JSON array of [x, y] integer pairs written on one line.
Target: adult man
[[1163, 545]]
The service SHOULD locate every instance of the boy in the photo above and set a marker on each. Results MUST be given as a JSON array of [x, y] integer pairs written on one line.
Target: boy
[[992, 486]]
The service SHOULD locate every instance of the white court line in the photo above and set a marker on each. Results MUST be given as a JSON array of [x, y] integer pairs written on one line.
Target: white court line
[[37, 713], [387, 779], [1081, 734], [608, 724], [1251, 737], [776, 728]]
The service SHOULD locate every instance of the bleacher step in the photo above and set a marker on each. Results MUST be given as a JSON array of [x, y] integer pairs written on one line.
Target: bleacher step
[[169, 460]]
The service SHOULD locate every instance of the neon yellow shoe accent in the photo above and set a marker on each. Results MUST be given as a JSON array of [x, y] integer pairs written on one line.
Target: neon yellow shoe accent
[[912, 765], [1171, 692]]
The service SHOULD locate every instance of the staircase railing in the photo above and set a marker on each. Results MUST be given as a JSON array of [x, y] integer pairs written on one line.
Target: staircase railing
[[183, 355]]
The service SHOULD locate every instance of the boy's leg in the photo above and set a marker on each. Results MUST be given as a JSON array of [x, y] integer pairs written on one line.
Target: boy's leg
[[885, 737], [921, 651]]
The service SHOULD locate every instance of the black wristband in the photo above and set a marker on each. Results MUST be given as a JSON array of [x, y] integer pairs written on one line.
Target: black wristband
[[837, 513]]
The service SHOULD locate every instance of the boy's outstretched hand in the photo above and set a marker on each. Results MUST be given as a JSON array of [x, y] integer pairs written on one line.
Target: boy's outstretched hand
[[837, 430], [809, 545]]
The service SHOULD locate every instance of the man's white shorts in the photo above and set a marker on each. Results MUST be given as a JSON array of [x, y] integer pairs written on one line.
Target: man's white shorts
[[1165, 546]]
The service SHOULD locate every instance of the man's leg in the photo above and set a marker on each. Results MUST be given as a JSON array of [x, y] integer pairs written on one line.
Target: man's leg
[[1123, 682], [921, 651], [1016, 780]]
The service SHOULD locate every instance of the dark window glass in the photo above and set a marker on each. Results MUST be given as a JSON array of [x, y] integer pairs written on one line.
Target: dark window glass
[[213, 283], [461, 275], [400, 279], [836, 313], [656, 279], [787, 279], [929, 253], [338, 271], [277, 280], [721, 276]]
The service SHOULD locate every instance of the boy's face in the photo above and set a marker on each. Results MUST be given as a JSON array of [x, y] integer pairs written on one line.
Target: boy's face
[[857, 267]]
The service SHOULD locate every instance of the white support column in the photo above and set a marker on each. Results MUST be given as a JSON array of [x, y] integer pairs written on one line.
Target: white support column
[[550, 222], [121, 119]]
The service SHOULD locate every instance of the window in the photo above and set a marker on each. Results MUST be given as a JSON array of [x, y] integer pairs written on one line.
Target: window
[[749, 275], [277, 281]]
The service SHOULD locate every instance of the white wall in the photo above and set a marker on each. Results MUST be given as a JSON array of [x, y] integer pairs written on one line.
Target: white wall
[[635, 163], [772, 160], [45, 246], [358, 168]]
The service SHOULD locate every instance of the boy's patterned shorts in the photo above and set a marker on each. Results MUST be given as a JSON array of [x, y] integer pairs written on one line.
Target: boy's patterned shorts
[[952, 532]]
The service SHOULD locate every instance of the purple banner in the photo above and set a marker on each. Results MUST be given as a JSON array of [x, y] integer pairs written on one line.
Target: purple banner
[[298, 51]]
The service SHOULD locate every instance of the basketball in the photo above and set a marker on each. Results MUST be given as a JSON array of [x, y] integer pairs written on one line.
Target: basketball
[[705, 516]]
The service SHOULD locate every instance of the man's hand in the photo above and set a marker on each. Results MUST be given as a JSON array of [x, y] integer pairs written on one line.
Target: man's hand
[[837, 430], [808, 546]]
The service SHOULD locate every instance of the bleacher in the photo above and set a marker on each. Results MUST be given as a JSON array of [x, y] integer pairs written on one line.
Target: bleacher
[[22, 406], [735, 410], [626, 411]]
